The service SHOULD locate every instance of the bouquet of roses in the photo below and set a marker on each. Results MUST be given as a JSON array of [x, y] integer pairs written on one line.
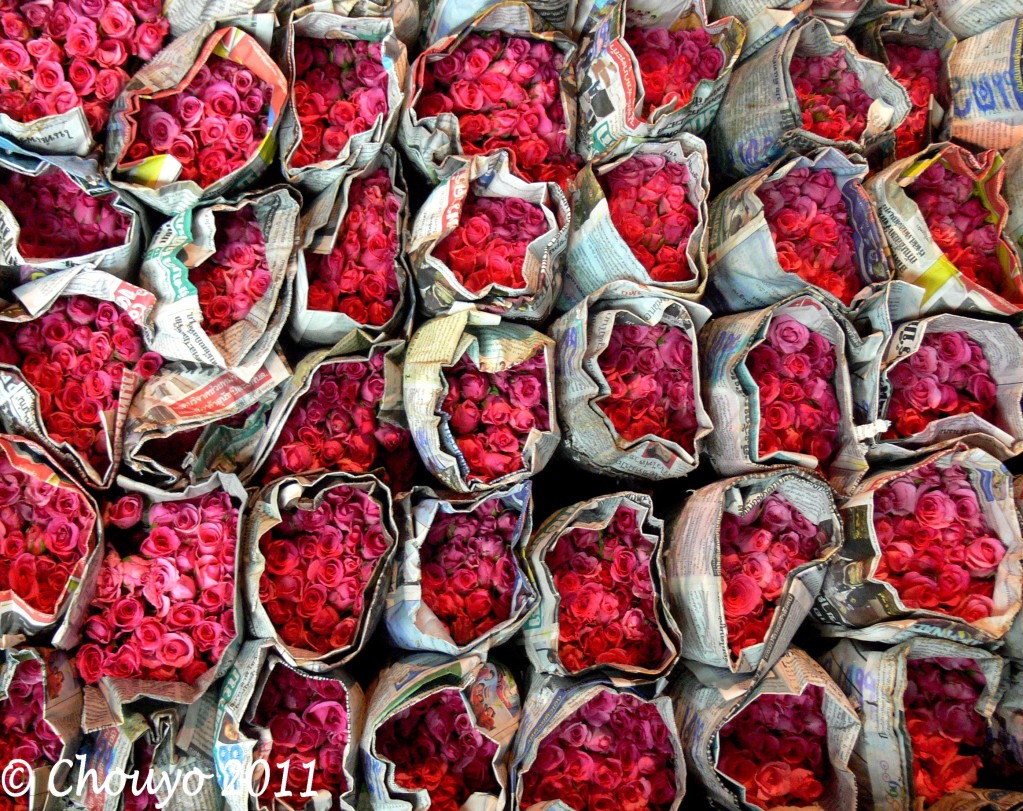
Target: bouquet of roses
[[642, 218], [944, 216], [60, 213], [63, 66], [785, 384], [40, 705], [73, 354], [683, 66], [345, 77], [226, 303], [779, 741], [197, 123], [925, 710], [821, 92], [480, 400], [187, 421], [438, 732], [318, 552], [591, 745], [629, 382], [937, 545], [810, 225], [598, 566], [50, 538], [162, 619], [488, 237], [504, 81], [777, 531], [354, 275], [946, 378], [461, 585], [340, 410]]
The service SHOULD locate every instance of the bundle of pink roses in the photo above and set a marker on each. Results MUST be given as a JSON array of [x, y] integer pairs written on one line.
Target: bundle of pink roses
[[648, 196], [26, 735], [357, 277], [490, 414], [236, 276], [758, 550], [946, 732], [937, 549], [340, 90], [489, 243], [436, 746], [649, 370], [469, 569], [505, 91], [673, 63], [75, 357], [320, 562], [164, 603], [777, 748], [955, 207], [615, 751], [917, 70], [48, 532], [59, 220], [608, 607], [794, 371], [813, 236], [947, 375], [308, 721], [335, 425], [831, 98], [212, 127], [58, 56]]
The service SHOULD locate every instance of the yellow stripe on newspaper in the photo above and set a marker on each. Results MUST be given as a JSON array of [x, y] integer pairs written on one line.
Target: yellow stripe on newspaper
[[932, 279]]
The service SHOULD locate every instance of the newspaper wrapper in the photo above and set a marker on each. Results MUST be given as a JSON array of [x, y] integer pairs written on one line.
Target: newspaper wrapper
[[765, 20], [316, 23], [492, 346], [18, 619], [321, 231], [1013, 647], [19, 403], [155, 180], [1003, 350], [706, 701], [62, 709], [1006, 741], [966, 18], [733, 398], [987, 88], [167, 748], [355, 347], [429, 141], [582, 334], [444, 16], [856, 602], [185, 242], [185, 397], [542, 631], [876, 680], [241, 749], [597, 253], [744, 269], [611, 93], [268, 509], [491, 699], [404, 14], [693, 566], [759, 118], [489, 175], [917, 257], [1012, 190], [551, 701], [119, 260], [105, 701], [979, 799], [411, 623]]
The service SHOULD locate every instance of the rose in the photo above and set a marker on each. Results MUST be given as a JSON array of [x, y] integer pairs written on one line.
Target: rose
[[175, 650]]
